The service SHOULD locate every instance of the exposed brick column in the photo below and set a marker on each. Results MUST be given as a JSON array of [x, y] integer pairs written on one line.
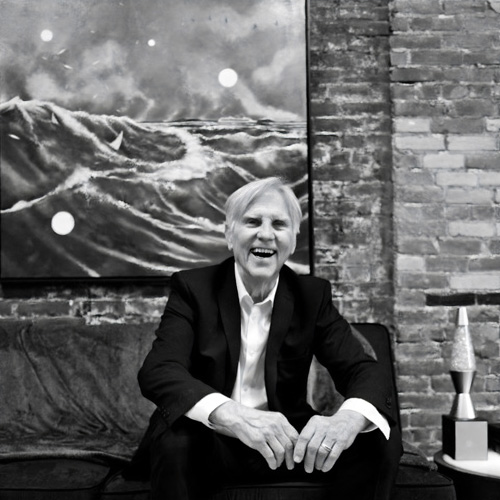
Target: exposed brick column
[[352, 190]]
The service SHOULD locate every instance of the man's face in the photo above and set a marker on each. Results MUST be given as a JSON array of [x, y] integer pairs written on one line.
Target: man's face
[[263, 239]]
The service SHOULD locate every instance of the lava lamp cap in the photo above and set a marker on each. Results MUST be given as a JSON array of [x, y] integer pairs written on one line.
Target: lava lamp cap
[[462, 319]]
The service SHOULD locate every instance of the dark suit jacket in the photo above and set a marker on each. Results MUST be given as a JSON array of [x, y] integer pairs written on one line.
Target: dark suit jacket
[[196, 350]]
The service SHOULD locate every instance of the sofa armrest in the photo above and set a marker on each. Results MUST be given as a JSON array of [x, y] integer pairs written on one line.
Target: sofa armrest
[[413, 457]]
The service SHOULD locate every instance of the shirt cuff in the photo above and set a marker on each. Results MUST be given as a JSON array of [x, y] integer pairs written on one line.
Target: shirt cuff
[[370, 412], [205, 406]]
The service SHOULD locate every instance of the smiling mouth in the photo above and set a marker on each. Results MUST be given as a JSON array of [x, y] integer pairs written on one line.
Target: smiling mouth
[[263, 253]]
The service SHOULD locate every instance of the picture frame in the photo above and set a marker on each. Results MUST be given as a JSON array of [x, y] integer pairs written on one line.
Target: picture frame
[[124, 127]]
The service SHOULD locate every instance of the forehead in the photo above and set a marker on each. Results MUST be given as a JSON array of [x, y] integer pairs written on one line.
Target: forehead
[[269, 204]]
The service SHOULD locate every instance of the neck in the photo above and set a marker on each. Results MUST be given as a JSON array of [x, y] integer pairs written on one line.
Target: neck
[[256, 288], [259, 293]]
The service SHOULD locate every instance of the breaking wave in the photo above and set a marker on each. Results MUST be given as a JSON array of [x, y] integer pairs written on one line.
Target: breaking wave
[[147, 198]]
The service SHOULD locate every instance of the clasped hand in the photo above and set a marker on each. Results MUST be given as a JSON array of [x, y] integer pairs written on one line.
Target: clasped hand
[[319, 445]]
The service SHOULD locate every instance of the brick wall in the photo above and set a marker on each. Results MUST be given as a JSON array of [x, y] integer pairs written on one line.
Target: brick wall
[[445, 72], [406, 186]]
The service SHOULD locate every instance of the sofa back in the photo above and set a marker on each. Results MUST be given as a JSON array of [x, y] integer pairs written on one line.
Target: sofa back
[[65, 385]]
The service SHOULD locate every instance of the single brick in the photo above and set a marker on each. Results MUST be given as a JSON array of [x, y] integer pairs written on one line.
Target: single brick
[[400, 57], [414, 384], [483, 212], [489, 178], [460, 246], [475, 281], [485, 264], [402, 125], [419, 194], [419, 246], [417, 7], [413, 177], [463, 195], [471, 143], [431, 228], [457, 125], [410, 41], [483, 160], [436, 57], [444, 160], [422, 281], [474, 228], [446, 263], [456, 179], [464, 6], [475, 107], [410, 263], [420, 213]]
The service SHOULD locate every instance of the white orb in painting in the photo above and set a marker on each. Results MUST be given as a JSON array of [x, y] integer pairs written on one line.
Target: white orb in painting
[[63, 223], [228, 77], [152, 42], [46, 35]]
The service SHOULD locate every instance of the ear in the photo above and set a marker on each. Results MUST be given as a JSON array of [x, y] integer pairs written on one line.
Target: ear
[[229, 237], [294, 245]]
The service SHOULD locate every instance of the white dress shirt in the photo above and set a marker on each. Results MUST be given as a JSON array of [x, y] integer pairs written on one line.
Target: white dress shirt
[[249, 388]]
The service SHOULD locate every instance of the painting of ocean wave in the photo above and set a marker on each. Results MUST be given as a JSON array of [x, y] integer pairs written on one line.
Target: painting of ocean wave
[[150, 207], [125, 125]]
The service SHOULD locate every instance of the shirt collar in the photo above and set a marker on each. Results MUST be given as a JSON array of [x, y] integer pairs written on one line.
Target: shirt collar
[[242, 291]]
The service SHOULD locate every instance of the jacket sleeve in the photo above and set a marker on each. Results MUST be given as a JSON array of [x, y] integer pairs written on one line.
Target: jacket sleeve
[[355, 373], [165, 377]]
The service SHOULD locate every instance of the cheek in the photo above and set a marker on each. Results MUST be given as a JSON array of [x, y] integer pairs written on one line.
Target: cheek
[[289, 245]]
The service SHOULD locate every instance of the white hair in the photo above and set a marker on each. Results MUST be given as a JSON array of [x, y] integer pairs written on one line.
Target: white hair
[[242, 198]]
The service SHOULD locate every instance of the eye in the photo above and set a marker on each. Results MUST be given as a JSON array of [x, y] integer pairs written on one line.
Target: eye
[[280, 224], [252, 221]]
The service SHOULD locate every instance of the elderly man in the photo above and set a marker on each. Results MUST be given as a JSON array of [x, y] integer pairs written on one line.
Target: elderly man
[[229, 366]]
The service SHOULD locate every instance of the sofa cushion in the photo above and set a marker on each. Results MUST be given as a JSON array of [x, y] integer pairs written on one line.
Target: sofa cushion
[[125, 489]]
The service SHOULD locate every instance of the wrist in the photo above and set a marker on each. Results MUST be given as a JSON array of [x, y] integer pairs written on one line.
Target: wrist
[[222, 414], [356, 419]]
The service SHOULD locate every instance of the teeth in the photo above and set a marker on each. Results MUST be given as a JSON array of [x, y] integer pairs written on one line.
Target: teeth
[[263, 252]]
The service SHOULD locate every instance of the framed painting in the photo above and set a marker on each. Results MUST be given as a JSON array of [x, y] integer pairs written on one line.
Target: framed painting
[[125, 125]]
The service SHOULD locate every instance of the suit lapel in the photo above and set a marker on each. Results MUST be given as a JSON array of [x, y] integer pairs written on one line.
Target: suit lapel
[[280, 324], [229, 308]]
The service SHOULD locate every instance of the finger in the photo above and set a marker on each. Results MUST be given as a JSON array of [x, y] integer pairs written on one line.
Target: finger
[[290, 462], [288, 447], [278, 450], [290, 440], [312, 453], [332, 458], [269, 456], [323, 453], [301, 444]]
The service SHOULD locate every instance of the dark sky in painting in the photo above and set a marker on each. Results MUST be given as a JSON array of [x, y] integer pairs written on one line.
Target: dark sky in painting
[[157, 60]]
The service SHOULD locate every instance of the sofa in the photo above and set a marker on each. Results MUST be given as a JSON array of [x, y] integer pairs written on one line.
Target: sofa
[[71, 415]]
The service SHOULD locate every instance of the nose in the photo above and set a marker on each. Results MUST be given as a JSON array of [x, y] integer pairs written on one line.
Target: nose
[[266, 231]]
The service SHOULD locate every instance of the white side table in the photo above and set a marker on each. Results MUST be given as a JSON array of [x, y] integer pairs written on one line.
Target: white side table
[[474, 479]]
